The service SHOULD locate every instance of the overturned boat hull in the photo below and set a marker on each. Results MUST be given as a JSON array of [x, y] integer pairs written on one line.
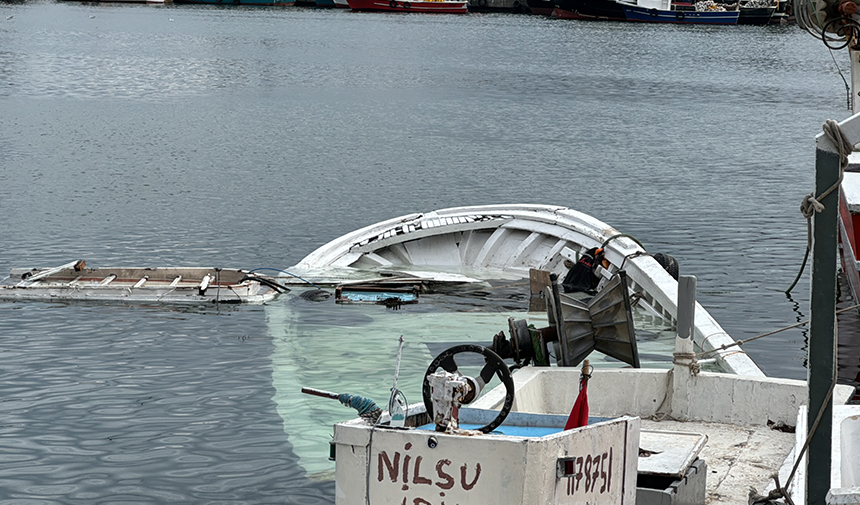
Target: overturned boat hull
[[506, 242]]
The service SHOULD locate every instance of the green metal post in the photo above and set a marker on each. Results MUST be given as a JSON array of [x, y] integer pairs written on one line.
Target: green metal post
[[822, 339]]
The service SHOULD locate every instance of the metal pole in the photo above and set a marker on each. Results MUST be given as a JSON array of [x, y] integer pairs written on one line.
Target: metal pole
[[683, 357], [854, 57], [822, 335], [686, 309]]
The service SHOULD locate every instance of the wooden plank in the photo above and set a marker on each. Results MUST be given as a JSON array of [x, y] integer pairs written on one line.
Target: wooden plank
[[51, 271], [538, 281]]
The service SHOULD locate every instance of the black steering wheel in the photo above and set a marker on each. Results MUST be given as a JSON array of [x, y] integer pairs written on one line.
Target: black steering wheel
[[494, 366]]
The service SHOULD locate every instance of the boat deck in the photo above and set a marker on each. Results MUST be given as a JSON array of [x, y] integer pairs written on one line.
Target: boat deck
[[738, 457]]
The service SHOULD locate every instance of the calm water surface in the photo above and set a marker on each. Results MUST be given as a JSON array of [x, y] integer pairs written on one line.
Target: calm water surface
[[246, 137]]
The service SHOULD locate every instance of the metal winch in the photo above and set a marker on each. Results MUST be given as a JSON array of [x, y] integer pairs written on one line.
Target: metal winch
[[448, 391]]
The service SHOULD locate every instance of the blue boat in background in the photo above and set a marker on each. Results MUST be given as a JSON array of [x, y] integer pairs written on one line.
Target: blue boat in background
[[646, 11], [662, 11]]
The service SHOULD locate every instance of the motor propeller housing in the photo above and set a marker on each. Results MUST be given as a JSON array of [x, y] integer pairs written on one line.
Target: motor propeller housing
[[577, 327]]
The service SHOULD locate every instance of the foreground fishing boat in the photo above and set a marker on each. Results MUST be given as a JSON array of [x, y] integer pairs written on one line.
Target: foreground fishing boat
[[425, 6], [632, 436], [637, 435], [74, 281], [691, 443]]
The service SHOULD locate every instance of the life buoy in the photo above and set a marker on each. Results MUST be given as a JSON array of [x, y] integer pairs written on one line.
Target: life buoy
[[482, 3], [406, 5], [392, 4], [679, 16], [653, 13]]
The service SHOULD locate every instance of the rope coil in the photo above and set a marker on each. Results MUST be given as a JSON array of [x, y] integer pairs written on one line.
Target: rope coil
[[687, 359], [811, 204]]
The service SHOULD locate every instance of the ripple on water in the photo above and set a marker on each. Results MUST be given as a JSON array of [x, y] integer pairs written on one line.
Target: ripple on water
[[128, 406]]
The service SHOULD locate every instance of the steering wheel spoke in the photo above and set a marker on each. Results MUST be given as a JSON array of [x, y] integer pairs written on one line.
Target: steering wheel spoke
[[449, 365]]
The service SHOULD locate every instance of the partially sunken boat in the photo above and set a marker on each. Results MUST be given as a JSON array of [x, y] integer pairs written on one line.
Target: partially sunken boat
[[74, 281], [473, 244]]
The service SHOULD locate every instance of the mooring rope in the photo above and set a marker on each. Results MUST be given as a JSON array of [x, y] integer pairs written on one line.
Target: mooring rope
[[620, 235], [774, 332], [782, 491], [812, 204]]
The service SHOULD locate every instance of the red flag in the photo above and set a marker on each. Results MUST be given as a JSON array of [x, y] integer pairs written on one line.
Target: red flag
[[579, 413]]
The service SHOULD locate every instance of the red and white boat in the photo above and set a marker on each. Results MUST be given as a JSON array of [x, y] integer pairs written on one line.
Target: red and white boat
[[849, 229], [439, 6]]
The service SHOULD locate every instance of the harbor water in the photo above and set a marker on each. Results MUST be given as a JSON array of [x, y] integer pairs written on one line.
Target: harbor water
[[247, 137]]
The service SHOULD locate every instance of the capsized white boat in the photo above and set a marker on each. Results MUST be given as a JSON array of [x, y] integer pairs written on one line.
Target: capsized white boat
[[476, 262], [181, 285], [506, 242]]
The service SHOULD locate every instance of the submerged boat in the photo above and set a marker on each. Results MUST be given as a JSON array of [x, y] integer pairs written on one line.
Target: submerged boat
[[74, 281], [478, 243], [426, 6]]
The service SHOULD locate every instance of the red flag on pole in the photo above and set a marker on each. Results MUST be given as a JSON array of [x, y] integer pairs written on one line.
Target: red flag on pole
[[579, 412]]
